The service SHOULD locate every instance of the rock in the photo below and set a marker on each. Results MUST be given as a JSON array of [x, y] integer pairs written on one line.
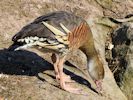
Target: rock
[[120, 61], [22, 67]]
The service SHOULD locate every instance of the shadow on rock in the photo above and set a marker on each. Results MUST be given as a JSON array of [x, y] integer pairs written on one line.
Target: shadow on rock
[[28, 63], [22, 63]]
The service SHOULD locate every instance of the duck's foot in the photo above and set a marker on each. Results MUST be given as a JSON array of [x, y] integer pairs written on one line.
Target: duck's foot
[[65, 85], [71, 89], [67, 78]]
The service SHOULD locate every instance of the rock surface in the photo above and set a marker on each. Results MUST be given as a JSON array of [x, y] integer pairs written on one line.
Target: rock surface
[[21, 75]]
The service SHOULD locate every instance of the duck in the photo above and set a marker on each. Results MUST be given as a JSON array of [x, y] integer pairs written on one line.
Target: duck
[[60, 33]]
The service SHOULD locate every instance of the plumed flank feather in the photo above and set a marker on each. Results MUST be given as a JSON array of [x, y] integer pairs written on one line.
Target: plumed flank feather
[[78, 36]]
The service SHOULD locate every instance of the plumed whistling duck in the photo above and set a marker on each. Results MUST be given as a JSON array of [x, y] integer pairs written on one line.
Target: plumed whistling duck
[[60, 33]]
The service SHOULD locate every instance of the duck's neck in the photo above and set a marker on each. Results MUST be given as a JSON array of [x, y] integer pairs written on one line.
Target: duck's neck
[[95, 66], [89, 49]]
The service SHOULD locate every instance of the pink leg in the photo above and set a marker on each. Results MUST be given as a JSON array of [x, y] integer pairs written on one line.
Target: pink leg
[[63, 80], [55, 59], [61, 77]]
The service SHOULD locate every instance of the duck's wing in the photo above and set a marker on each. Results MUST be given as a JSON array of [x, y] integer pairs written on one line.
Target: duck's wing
[[37, 28], [39, 33]]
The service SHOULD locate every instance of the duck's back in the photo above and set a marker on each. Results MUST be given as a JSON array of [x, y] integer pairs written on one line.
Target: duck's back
[[77, 25], [36, 28]]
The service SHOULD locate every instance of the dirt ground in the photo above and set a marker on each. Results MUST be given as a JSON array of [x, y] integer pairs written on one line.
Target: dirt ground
[[25, 75]]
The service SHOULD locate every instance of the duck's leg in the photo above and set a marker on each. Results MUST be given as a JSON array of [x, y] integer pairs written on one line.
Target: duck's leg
[[63, 80], [55, 59]]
